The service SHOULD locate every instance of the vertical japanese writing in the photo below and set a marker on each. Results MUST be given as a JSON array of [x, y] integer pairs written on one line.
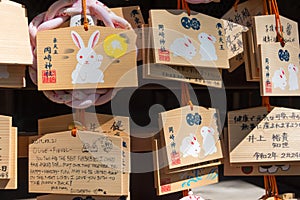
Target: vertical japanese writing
[[49, 74], [220, 30], [233, 37], [135, 15], [164, 54], [268, 83], [55, 47], [175, 156]]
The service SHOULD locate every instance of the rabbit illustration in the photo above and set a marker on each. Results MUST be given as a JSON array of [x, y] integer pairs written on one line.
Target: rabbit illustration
[[190, 146], [209, 144], [270, 169], [183, 47], [87, 69], [279, 79], [293, 77], [207, 47]]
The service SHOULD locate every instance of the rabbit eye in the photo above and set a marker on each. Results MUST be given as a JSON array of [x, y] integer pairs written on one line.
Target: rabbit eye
[[192, 143], [92, 56], [80, 57]]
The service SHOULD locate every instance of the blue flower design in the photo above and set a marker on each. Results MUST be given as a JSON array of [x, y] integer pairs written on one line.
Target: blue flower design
[[198, 119], [186, 23], [195, 24], [281, 54], [190, 119], [284, 55]]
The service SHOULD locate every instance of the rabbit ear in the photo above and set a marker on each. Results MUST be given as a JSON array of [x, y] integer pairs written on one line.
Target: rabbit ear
[[77, 39], [94, 39]]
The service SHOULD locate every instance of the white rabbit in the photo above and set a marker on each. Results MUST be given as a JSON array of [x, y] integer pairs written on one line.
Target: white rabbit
[[207, 47], [279, 79], [293, 77], [209, 143], [190, 146], [87, 70], [183, 47]]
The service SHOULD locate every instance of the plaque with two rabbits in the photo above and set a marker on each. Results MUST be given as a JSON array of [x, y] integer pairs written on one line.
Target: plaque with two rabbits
[[188, 40], [101, 57], [191, 136]]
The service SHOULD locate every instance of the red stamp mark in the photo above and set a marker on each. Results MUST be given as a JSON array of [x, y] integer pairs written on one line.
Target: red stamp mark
[[175, 157], [268, 87], [165, 186], [49, 76], [164, 55]]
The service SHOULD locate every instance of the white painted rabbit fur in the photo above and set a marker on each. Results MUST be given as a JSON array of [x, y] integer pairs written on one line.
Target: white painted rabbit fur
[[293, 77], [87, 70], [209, 143], [183, 47], [207, 47], [190, 146], [279, 79]]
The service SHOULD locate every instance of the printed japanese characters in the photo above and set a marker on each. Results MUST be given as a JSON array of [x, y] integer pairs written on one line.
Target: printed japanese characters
[[191, 136]]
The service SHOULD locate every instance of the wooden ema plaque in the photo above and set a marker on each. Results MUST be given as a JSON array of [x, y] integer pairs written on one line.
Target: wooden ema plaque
[[116, 126], [197, 75], [191, 136], [265, 33], [280, 70], [11, 183], [72, 58], [5, 147], [244, 13], [134, 16], [244, 16], [195, 40], [274, 139], [88, 164], [254, 169], [252, 72], [12, 76], [167, 183], [234, 42], [15, 48]]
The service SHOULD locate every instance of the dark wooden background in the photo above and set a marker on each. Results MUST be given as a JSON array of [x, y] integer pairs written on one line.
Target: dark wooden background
[[28, 105]]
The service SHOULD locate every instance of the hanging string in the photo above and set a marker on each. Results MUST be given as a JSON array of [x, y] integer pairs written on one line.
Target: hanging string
[[79, 121], [270, 7], [271, 188], [236, 5], [266, 12], [266, 103], [185, 95], [279, 29], [85, 21], [182, 4]]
